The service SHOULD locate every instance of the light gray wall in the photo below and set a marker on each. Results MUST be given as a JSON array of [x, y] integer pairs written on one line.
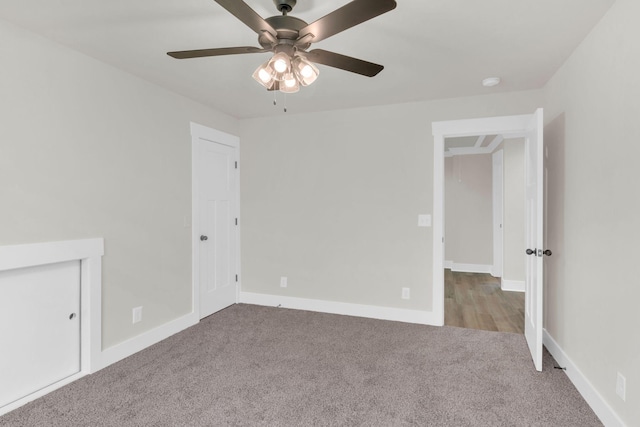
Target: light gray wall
[[468, 210], [593, 133], [514, 218], [331, 200], [89, 151]]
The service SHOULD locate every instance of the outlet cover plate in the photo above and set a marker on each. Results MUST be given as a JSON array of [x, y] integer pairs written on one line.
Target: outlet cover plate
[[283, 282], [424, 220], [621, 386], [137, 314]]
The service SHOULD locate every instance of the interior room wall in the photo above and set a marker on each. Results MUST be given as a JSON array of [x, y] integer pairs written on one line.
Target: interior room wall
[[331, 199], [89, 151], [592, 133], [514, 214], [468, 210]]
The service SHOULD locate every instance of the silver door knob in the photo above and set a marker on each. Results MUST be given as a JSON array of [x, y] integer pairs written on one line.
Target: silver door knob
[[203, 237]]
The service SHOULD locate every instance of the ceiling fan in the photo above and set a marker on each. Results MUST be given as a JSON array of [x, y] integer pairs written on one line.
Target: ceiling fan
[[289, 38]]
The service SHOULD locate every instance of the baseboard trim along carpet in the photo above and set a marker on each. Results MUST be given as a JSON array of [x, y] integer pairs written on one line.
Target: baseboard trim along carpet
[[602, 409], [133, 345], [512, 285], [348, 309]]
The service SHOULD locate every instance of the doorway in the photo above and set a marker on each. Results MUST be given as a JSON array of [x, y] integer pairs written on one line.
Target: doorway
[[484, 217], [529, 127]]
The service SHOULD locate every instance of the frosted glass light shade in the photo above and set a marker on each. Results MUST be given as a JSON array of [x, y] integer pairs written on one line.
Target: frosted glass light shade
[[289, 84], [304, 70], [264, 75], [281, 65]]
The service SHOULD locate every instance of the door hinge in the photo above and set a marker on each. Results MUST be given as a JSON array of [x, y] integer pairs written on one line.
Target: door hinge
[[236, 277], [236, 221]]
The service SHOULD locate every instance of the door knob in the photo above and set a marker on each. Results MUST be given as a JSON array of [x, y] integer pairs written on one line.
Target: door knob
[[548, 252], [531, 251], [203, 237]]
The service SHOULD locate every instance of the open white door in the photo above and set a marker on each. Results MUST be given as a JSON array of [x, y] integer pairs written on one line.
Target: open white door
[[534, 195]]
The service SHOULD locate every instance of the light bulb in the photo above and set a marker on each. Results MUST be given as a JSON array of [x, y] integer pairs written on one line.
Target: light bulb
[[290, 81], [306, 71], [264, 75], [280, 65]]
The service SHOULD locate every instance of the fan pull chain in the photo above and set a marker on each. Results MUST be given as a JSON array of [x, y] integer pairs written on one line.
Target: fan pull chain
[[285, 102]]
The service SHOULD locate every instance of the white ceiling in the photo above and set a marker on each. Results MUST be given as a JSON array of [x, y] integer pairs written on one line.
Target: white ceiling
[[431, 49]]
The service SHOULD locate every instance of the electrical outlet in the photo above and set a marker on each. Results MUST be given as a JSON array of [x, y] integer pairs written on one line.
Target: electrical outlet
[[621, 386], [137, 314], [283, 282], [406, 293]]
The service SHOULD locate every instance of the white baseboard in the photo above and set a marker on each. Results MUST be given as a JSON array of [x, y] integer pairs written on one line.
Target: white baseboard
[[602, 409], [448, 264], [348, 309], [471, 268], [36, 394], [512, 285], [133, 345]]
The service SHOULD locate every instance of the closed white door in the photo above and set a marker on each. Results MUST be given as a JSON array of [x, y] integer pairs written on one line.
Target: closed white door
[[534, 178], [39, 328], [217, 236]]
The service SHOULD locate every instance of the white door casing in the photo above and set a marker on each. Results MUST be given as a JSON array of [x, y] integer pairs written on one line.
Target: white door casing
[[534, 237], [528, 126], [498, 212], [215, 220]]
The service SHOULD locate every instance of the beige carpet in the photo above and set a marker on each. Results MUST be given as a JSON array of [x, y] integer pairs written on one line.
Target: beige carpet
[[250, 365]]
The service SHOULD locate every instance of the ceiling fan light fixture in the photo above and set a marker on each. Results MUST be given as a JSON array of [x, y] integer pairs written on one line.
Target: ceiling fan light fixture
[[305, 71], [289, 38]]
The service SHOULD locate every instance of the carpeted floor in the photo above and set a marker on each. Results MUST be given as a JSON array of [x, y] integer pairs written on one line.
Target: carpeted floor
[[250, 365]]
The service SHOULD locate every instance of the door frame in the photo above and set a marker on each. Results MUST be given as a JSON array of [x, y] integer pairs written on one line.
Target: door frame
[[497, 190], [200, 132], [509, 127]]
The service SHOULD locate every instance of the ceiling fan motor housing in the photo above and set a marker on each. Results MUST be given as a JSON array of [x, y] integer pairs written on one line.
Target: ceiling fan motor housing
[[287, 27], [285, 6]]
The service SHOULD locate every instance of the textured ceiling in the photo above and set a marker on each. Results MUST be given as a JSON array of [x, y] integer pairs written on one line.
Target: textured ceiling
[[431, 49]]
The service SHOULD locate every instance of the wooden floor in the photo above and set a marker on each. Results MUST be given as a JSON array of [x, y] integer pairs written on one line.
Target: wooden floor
[[475, 301]]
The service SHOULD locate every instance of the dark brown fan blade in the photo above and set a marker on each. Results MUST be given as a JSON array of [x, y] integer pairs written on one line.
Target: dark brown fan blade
[[349, 15], [199, 53], [347, 63], [243, 12]]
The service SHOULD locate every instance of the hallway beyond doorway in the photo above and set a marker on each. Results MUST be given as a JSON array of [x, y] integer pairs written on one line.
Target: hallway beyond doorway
[[475, 301]]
